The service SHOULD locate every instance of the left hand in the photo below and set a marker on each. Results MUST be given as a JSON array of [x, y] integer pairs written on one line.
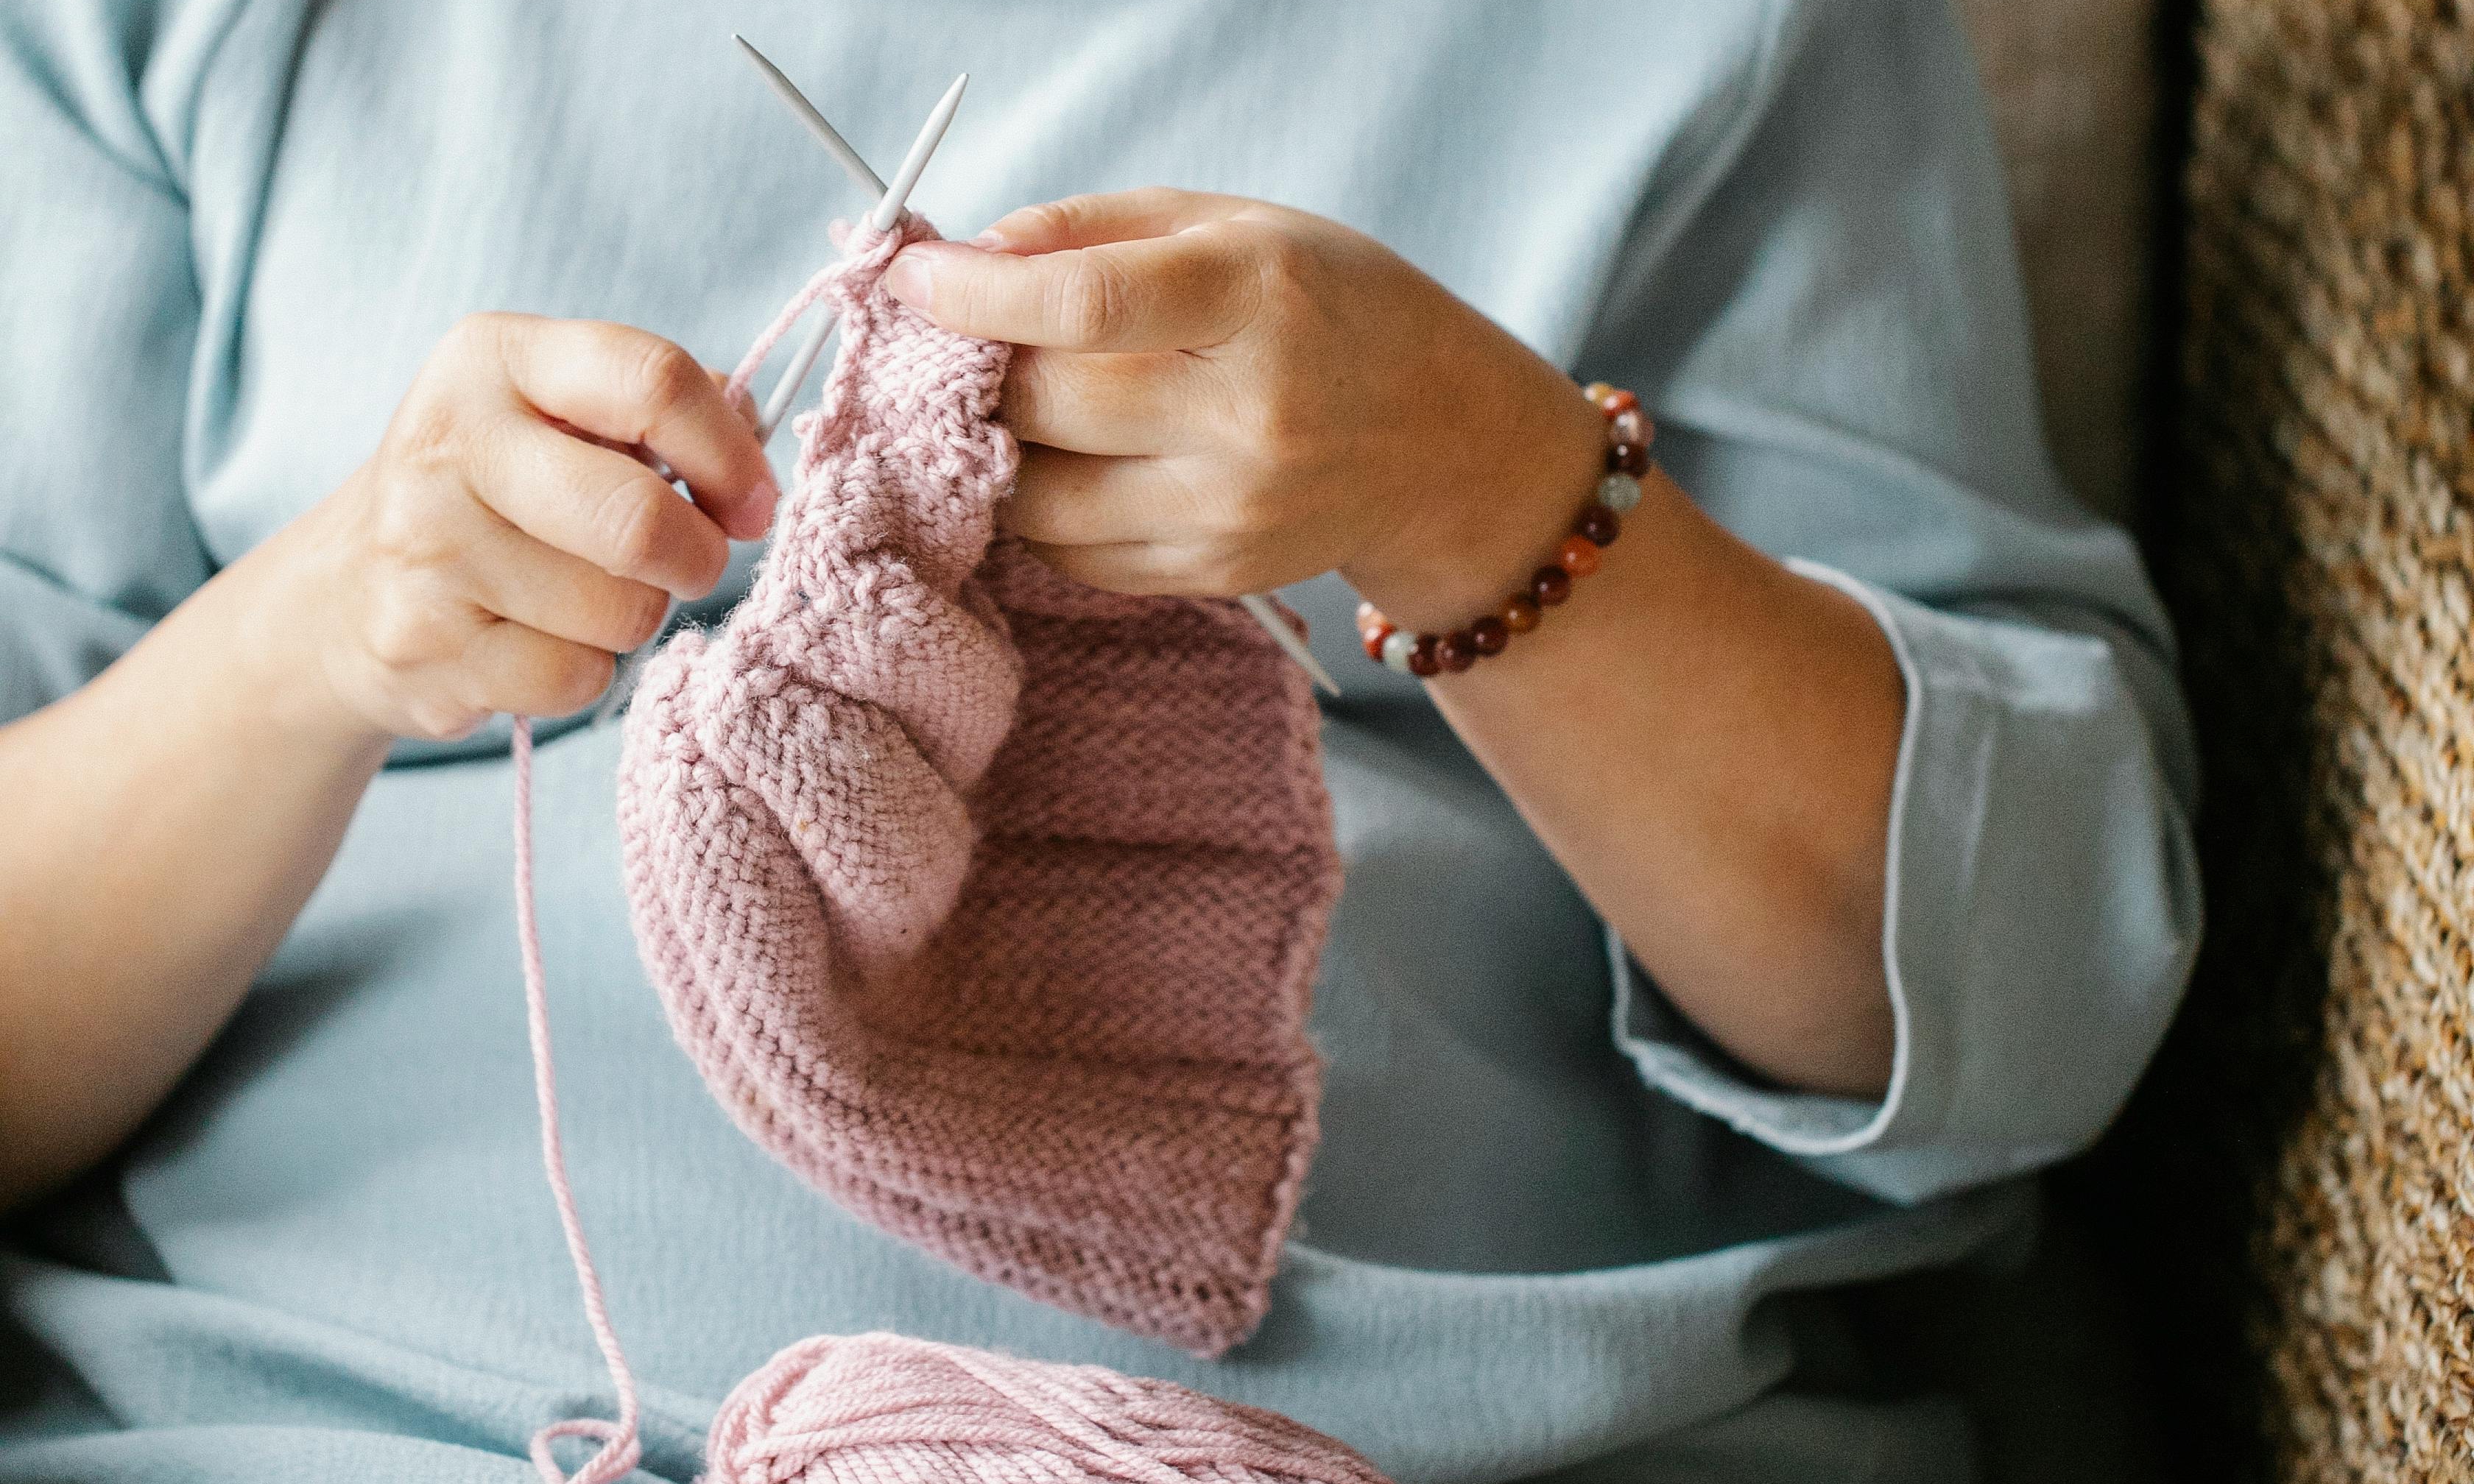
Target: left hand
[[1216, 395]]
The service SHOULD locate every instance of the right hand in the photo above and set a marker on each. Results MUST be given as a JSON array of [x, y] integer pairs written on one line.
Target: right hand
[[499, 549]]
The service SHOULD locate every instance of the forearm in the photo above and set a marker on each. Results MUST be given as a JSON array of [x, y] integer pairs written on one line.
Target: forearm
[[167, 821], [505, 542], [1705, 741], [1219, 396]]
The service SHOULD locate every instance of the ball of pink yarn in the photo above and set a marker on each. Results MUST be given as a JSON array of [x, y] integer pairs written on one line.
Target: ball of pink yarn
[[882, 1409]]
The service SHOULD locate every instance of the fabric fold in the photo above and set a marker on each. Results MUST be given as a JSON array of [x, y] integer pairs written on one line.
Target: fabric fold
[[2016, 858]]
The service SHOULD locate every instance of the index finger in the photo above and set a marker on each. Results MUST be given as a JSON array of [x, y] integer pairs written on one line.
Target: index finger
[[1183, 291], [598, 504], [631, 386]]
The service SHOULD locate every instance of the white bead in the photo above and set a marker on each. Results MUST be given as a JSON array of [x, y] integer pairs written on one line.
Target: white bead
[[1620, 493], [1397, 646]]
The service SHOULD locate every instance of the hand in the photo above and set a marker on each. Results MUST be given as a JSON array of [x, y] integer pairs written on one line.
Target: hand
[[1216, 397], [504, 545]]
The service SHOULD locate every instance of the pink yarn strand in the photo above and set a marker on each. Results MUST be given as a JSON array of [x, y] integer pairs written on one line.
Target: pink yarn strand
[[855, 241], [621, 1448], [880, 592], [741, 380]]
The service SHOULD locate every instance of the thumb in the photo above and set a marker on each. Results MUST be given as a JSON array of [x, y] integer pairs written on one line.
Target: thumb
[[1117, 216]]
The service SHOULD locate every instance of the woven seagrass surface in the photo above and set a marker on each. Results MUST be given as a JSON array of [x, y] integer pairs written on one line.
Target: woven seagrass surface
[[2296, 1181]]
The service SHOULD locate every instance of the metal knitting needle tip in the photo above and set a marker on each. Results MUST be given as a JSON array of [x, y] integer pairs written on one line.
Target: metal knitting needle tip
[[889, 200], [1287, 639], [889, 208], [806, 113], [777, 404], [888, 205]]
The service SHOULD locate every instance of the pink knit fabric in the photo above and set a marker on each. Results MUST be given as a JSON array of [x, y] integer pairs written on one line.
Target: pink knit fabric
[[988, 903], [882, 1409]]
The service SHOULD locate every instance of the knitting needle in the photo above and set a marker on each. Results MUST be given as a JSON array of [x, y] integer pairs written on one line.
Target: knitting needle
[[889, 206], [1286, 637], [852, 162], [889, 199], [806, 113], [889, 210], [888, 202]]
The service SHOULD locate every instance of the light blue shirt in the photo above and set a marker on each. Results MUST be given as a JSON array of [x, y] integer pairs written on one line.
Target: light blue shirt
[[1549, 1221]]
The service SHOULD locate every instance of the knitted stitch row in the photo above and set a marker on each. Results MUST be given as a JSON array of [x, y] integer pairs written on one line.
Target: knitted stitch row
[[887, 1409], [991, 905], [986, 902]]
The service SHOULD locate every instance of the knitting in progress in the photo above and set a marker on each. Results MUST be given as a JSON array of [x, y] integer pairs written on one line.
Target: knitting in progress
[[991, 905]]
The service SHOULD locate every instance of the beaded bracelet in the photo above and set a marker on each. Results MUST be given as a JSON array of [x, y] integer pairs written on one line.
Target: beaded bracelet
[[1629, 432]]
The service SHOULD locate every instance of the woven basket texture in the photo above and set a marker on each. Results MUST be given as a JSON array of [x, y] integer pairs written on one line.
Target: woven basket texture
[[2296, 1179]]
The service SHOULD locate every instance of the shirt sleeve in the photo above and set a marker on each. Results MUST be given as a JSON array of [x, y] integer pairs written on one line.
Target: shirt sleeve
[[98, 324], [1824, 316]]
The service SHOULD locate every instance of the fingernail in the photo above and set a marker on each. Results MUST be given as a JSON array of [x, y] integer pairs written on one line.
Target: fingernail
[[910, 277], [763, 499], [989, 240]]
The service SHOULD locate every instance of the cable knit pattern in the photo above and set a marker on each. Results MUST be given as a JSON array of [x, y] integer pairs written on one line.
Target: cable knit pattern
[[988, 903]]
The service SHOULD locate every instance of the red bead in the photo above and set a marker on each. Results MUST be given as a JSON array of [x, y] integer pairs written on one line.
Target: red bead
[[1610, 401], [1456, 651], [1550, 586], [1600, 525], [1578, 555], [1631, 426], [1374, 634], [1628, 459], [1422, 661], [1489, 635], [1519, 613]]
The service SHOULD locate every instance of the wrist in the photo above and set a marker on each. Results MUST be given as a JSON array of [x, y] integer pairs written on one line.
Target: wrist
[[1466, 544], [1458, 555], [266, 613]]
